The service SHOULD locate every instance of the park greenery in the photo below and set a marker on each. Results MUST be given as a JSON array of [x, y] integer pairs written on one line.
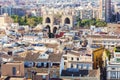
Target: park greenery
[[33, 21], [88, 22], [27, 20]]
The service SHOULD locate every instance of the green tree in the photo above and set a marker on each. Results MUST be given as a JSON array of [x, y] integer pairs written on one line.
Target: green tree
[[101, 23], [79, 24], [88, 22], [85, 23], [40, 19], [37, 20], [27, 20], [31, 22], [21, 21], [92, 21], [15, 18], [78, 21]]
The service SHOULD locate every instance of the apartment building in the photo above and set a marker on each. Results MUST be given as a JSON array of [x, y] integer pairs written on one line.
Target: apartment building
[[78, 64], [80, 60], [107, 41], [113, 66]]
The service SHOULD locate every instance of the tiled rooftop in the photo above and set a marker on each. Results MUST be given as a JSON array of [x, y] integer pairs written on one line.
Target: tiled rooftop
[[38, 70], [55, 57], [30, 56]]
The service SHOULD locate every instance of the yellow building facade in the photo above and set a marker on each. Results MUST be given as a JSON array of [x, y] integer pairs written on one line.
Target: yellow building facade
[[97, 58]]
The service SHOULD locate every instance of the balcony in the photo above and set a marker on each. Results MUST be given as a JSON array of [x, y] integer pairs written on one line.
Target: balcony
[[42, 65]]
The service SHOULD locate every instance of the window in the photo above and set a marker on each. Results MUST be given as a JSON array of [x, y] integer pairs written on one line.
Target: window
[[88, 66], [81, 66], [42, 64], [44, 77], [14, 70], [26, 75], [65, 58], [77, 66], [71, 65], [71, 58], [38, 64], [47, 20], [64, 63], [104, 42], [45, 64], [67, 21], [113, 75], [84, 66], [54, 74]]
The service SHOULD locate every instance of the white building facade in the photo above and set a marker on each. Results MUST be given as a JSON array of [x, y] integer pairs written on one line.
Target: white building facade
[[113, 66]]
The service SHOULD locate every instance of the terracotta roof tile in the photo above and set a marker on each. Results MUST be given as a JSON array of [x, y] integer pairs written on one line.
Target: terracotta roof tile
[[31, 56], [5, 56], [38, 70], [55, 57], [17, 58]]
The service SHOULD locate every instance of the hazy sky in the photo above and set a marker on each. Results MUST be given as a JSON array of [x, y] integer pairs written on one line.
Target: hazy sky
[[63, 0]]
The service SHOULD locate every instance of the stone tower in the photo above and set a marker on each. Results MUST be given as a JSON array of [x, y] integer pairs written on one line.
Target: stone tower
[[48, 21], [68, 20]]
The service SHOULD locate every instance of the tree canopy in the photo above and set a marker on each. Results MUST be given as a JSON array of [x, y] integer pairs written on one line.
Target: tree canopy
[[26, 20], [89, 22]]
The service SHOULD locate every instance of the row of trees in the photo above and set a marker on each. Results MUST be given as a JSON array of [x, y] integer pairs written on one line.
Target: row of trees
[[27, 20], [89, 22], [33, 21]]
